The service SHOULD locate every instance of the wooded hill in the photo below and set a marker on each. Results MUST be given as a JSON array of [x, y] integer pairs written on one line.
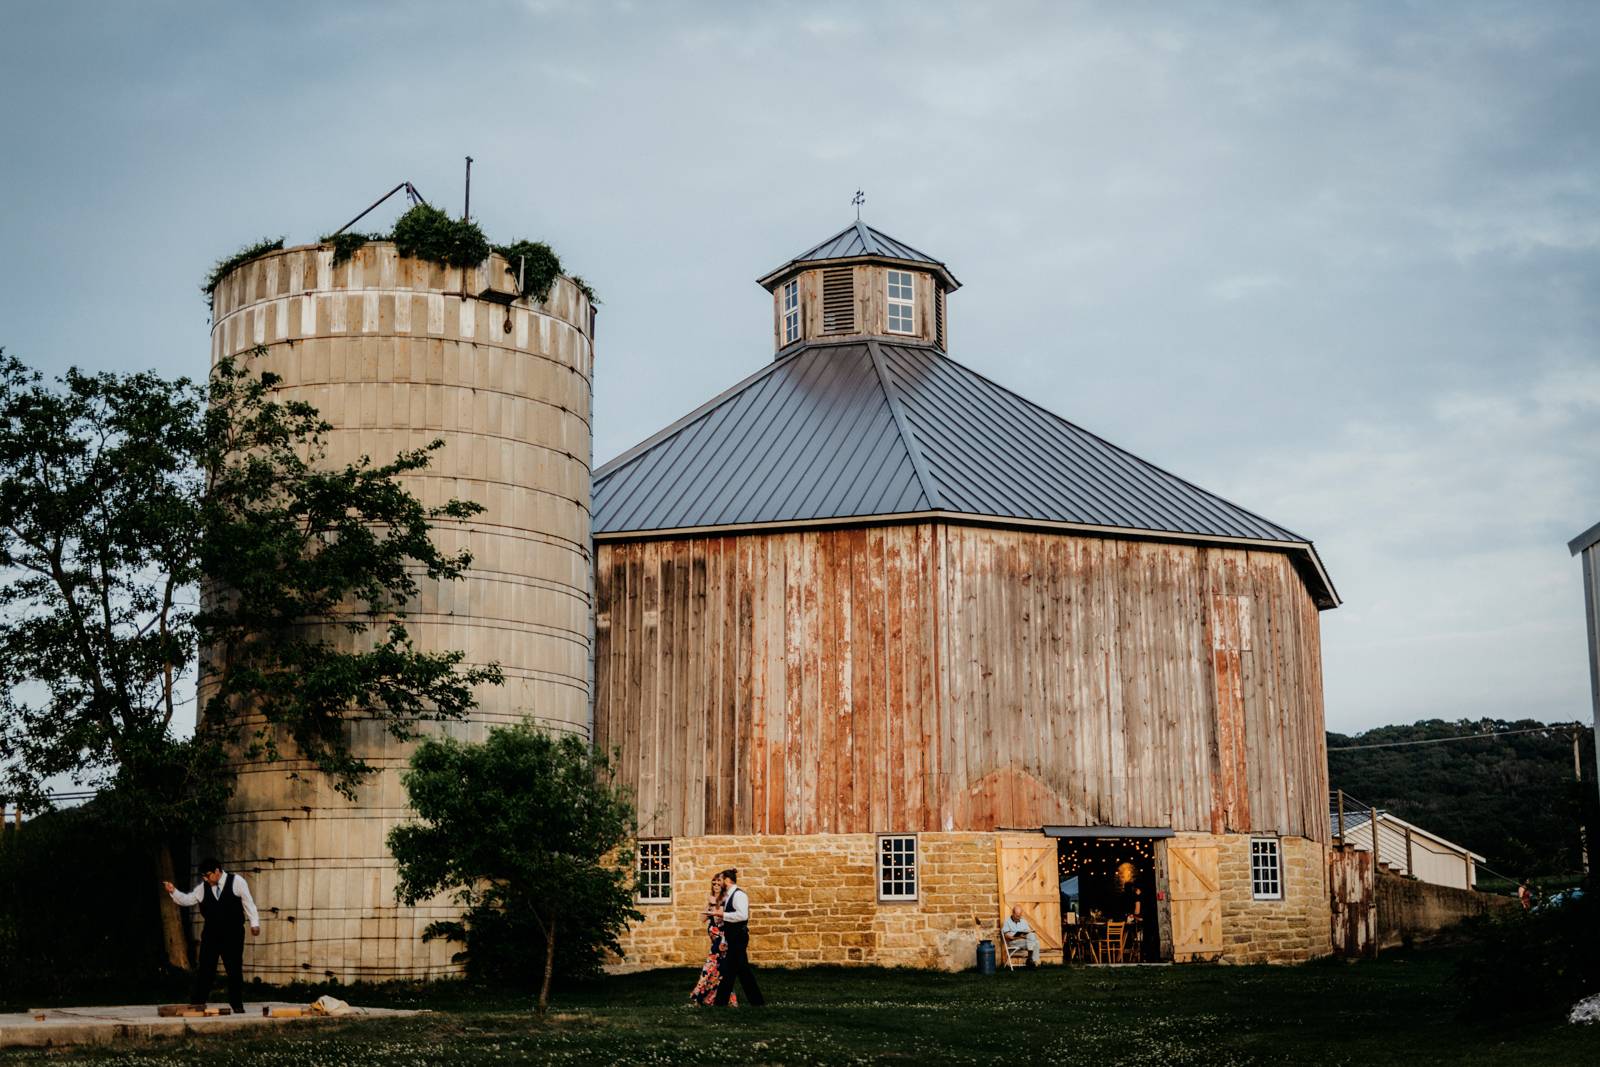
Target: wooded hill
[[1510, 799]]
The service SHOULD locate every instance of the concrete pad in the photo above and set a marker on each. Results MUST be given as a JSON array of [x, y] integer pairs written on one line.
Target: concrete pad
[[136, 1022]]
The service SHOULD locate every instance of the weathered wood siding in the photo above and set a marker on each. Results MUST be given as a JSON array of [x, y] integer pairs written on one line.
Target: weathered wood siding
[[941, 677]]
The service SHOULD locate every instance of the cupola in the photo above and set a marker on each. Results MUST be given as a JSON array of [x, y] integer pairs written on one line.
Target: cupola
[[860, 283]]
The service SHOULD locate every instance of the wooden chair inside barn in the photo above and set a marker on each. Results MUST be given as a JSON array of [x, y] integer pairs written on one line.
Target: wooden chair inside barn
[[1114, 943]]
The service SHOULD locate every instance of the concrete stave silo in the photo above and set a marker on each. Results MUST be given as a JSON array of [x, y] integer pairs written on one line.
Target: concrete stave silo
[[395, 353]]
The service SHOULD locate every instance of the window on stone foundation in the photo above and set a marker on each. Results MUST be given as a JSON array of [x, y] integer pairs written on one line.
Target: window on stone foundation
[[897, 867], [1266, 869], [655, 872]]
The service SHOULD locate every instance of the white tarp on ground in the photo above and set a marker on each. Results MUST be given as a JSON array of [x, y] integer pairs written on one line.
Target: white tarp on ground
[[1586, 1010], [326, 1005]]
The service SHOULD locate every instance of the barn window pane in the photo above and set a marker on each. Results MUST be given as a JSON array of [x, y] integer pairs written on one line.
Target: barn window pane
[[901, 302], [1266, 869], [655, 872], [897, 867], [791, 312]]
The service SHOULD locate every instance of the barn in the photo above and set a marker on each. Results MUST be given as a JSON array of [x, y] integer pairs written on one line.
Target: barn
[[908, 649]]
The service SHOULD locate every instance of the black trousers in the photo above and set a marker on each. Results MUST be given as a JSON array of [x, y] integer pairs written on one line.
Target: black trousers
[[736, 964], [230, 949]]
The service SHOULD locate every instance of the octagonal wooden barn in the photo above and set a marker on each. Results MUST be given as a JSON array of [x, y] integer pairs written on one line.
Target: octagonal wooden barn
[[909, 649]]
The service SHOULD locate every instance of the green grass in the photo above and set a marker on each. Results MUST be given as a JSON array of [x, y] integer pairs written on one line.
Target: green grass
[[1401, 1009]]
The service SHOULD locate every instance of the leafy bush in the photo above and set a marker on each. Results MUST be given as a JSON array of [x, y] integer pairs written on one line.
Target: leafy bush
[[1534, 963], [543, 266], [533, 836], [425, 232]]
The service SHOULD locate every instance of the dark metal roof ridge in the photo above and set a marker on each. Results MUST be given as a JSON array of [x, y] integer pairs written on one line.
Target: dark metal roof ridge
[[919, 462]]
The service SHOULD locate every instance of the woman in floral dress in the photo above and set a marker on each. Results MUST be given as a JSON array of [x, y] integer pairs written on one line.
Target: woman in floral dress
[[705, 990]]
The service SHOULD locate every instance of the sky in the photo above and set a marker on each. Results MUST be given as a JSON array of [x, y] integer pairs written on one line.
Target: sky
[[1338, 263]]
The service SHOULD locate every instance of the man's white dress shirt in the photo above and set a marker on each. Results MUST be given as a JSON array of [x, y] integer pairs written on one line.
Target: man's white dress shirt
[[736, 908], [241, 889]]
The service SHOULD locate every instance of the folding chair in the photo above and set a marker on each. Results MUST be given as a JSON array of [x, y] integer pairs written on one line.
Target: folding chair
[[1010, 950]]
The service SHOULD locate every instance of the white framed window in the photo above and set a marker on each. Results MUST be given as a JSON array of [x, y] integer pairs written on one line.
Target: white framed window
[[897, 867], [1266, 869], [655, 872], [791, 312], [902, 302]]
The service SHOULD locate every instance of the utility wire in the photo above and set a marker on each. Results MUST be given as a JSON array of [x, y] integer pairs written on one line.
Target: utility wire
[[1460, 737]]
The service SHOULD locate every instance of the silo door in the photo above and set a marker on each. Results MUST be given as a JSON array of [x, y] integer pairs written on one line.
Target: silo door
[[1028, 879], [1196, 902]]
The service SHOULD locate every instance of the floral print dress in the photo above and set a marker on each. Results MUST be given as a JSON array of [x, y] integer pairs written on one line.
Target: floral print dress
[[705, 990]]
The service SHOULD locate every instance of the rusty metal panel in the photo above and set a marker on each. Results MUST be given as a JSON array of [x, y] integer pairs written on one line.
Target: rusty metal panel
[[1353, 910]]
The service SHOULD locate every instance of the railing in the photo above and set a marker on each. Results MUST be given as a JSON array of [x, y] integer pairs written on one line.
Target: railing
[[1359, 825]]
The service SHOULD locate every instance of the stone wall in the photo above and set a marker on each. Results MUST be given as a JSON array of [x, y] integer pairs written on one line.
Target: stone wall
[[813, 899], [1290, 930], [1409, 909]]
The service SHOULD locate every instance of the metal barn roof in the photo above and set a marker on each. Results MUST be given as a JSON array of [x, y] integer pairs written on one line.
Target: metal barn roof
[[857, 241], [833, 432]]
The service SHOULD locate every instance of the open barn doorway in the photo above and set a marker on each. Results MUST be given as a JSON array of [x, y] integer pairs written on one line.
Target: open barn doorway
[[1108, 875]]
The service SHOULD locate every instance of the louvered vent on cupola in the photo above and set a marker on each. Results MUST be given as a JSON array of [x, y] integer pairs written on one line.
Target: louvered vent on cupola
[[838, 300], [938, 320]]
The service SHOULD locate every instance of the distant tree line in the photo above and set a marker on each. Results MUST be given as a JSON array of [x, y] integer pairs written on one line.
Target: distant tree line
[[1511, 799]]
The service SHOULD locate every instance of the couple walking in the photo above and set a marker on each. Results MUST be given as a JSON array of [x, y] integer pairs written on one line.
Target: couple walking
[[728, 926]]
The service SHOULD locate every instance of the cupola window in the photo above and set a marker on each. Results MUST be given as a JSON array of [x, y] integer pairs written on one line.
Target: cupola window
[[791, 312], [902, 303]]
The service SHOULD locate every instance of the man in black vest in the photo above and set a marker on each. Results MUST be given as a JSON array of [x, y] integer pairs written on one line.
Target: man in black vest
[[225, 903], [736, 930]]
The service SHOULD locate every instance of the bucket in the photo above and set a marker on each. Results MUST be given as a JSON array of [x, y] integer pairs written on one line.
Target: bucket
[[985, 956]]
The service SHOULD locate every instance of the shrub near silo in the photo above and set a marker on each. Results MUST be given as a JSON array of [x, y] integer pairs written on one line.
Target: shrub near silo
[[526, 831]]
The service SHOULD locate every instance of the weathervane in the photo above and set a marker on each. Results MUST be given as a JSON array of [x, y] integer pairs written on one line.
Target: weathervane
[[859, 199]]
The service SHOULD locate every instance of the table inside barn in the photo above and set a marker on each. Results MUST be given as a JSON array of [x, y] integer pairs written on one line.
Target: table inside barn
[[1083, 941]]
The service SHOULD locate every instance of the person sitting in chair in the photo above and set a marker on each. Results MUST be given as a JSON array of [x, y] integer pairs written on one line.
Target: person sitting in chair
[[1019, 935]]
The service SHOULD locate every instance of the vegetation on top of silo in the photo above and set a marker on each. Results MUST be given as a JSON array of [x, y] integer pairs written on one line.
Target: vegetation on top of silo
[[346, 244], [244, 255], [543, 266], [425, 232]]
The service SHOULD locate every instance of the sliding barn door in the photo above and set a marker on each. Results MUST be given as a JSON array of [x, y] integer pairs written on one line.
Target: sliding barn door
[[1029, 878], [1196, 902]]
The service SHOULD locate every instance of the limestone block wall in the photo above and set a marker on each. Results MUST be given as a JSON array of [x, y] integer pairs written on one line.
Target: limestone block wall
[[813, 900], [1290, 930], [396, 353], [1413, 910]]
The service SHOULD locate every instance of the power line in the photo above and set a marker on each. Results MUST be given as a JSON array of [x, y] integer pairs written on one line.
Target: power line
[[1459, 737]]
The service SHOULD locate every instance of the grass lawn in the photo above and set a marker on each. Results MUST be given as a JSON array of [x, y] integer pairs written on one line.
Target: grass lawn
[[1400, 1009]]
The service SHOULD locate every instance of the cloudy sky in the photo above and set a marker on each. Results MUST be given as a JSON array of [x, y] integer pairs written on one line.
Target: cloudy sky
[[1337, 262]]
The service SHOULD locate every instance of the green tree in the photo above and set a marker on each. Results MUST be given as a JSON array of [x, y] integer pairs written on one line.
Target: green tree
[[289, 540], [121, 495], [523, 826]]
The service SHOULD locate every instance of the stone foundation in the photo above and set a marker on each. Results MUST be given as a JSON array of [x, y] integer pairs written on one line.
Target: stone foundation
[[1290, 930], [813, 900]]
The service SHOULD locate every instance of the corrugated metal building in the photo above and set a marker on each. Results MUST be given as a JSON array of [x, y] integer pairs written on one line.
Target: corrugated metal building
[[910, 649]]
